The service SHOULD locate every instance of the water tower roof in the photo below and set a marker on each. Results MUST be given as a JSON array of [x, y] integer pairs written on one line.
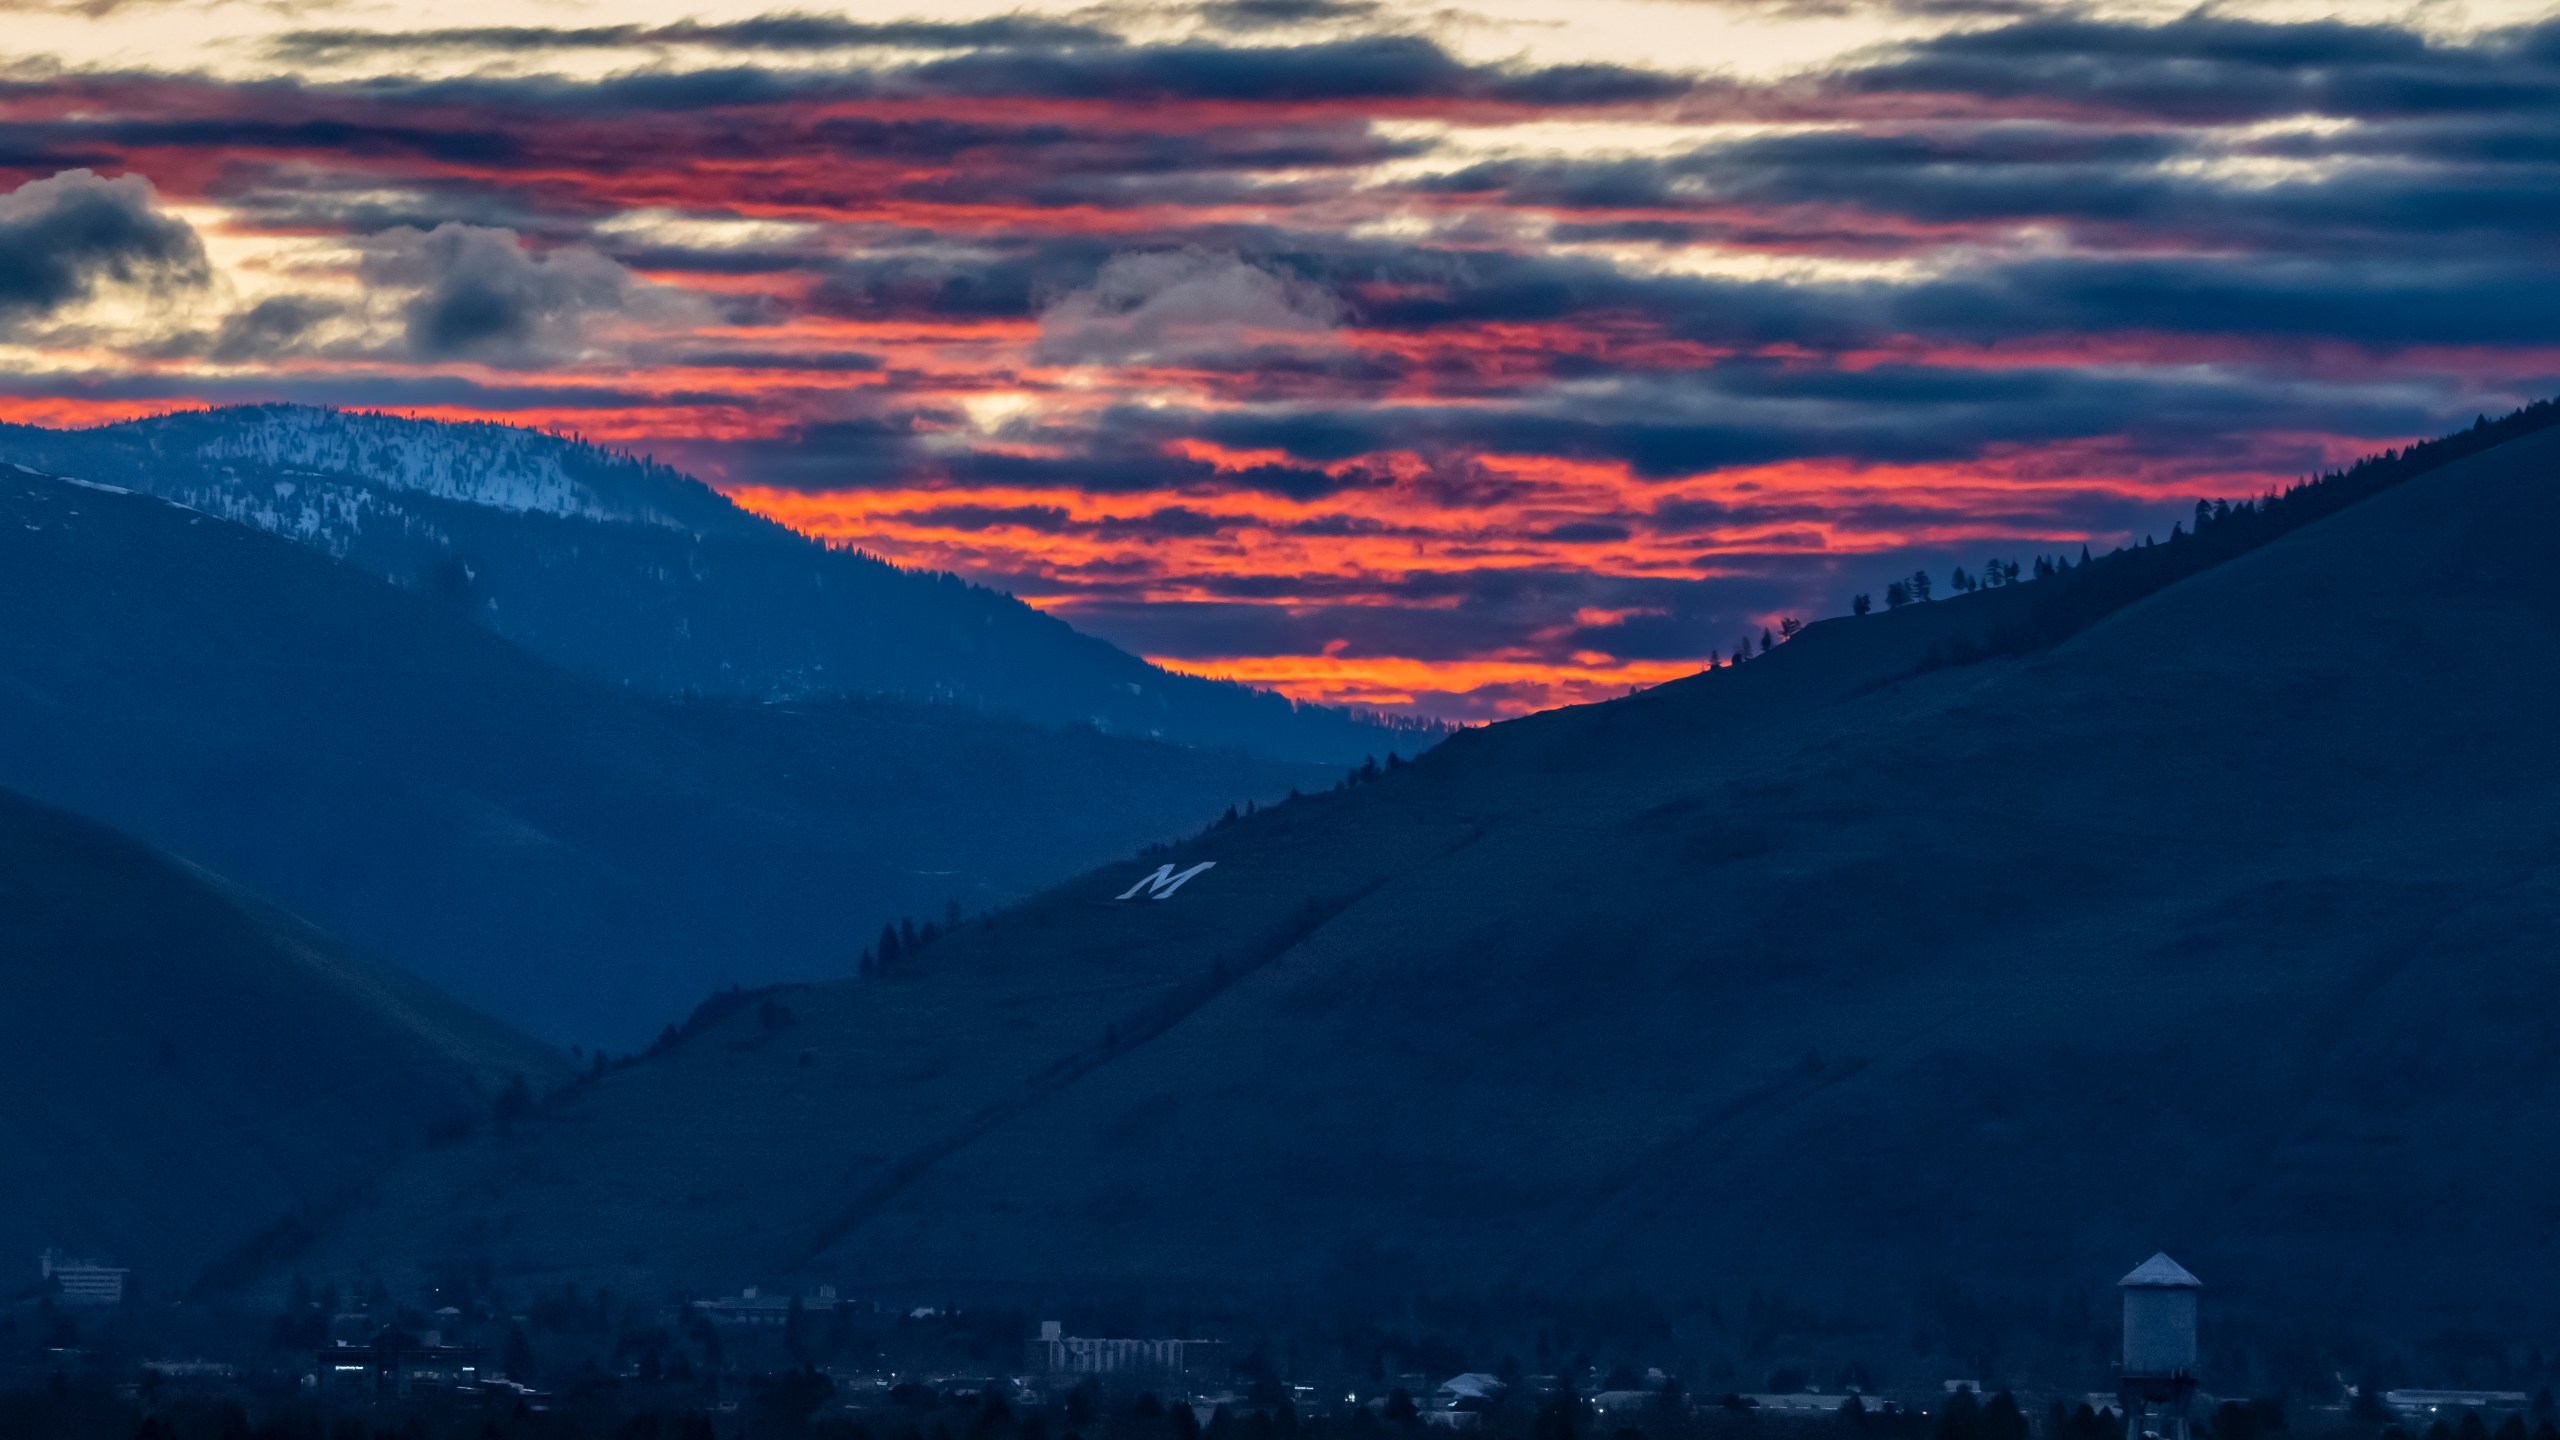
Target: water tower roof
[[2160, 1273]]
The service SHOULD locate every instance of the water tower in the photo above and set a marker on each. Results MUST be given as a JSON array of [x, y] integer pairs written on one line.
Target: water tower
[[2159, 1348]]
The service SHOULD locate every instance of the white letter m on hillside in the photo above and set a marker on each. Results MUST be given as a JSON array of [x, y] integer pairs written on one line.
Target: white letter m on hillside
[[1162, 884]]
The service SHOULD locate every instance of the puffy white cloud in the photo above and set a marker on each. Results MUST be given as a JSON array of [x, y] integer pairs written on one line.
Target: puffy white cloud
[[1182, 305]]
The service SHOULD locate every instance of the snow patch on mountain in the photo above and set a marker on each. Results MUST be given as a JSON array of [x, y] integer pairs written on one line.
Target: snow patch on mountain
[[477, 464]]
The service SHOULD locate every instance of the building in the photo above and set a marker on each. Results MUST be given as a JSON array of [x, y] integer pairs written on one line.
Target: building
[[2159, 1379], [1809, 1402], [2433, 1404], [395, 1365], [751, 1307], [1058, 1353], [80, 1282]]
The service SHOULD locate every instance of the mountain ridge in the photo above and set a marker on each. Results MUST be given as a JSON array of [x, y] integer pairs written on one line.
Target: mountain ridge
[[582, 859], [629, 571]]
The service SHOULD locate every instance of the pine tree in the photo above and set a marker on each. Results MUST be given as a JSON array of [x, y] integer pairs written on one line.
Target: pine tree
[[890, 949], [2001, 1419], [1861, 605], [1556, 1419]]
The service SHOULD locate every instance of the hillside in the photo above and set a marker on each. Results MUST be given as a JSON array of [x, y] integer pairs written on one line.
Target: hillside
[[184, 1064], [632, 573], [581, 860], [1850, 1003]]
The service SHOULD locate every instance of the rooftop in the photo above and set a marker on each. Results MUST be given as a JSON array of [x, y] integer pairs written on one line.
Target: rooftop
[[2160, 1273]]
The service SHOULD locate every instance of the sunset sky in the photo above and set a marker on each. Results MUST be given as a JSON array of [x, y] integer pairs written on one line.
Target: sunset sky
[[1465, 358]]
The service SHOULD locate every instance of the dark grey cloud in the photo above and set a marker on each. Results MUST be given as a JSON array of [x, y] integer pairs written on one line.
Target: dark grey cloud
[[482, 294], [2210, 69], [278, 326], [800, 33], [1364, 67], [65, 236], [1281, 14]]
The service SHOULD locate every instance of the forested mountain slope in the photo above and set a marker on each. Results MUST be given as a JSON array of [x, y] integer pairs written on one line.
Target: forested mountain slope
[[578, 859], [1902, 995], [185, 1064], [633, 573]]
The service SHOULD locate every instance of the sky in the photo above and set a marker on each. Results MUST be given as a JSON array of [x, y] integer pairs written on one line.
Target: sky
[[1463, 359]]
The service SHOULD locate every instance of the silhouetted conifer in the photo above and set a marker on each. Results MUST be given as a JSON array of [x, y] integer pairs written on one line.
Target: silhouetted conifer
[[2001, 1419], [1962, 1417], [1558, 1419]]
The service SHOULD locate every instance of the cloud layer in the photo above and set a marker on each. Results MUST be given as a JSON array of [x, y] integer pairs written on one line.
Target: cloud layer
[[1287, 342]]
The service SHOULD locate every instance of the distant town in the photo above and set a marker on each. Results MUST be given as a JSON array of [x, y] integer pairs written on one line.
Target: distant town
[[83, 1352]]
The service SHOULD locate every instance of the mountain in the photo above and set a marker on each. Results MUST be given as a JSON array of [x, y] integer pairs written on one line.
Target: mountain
[[627, 571], [579, 859], [185, 1064], [1878, 1000]]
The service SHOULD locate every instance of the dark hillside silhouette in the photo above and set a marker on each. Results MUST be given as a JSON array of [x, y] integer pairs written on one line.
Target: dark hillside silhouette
[[1831, 985], [2068, 598], [189, 1064]]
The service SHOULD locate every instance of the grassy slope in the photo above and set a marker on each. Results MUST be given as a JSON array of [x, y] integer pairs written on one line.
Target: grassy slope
[[579, 859], [184, 1065], [2221, 926]]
